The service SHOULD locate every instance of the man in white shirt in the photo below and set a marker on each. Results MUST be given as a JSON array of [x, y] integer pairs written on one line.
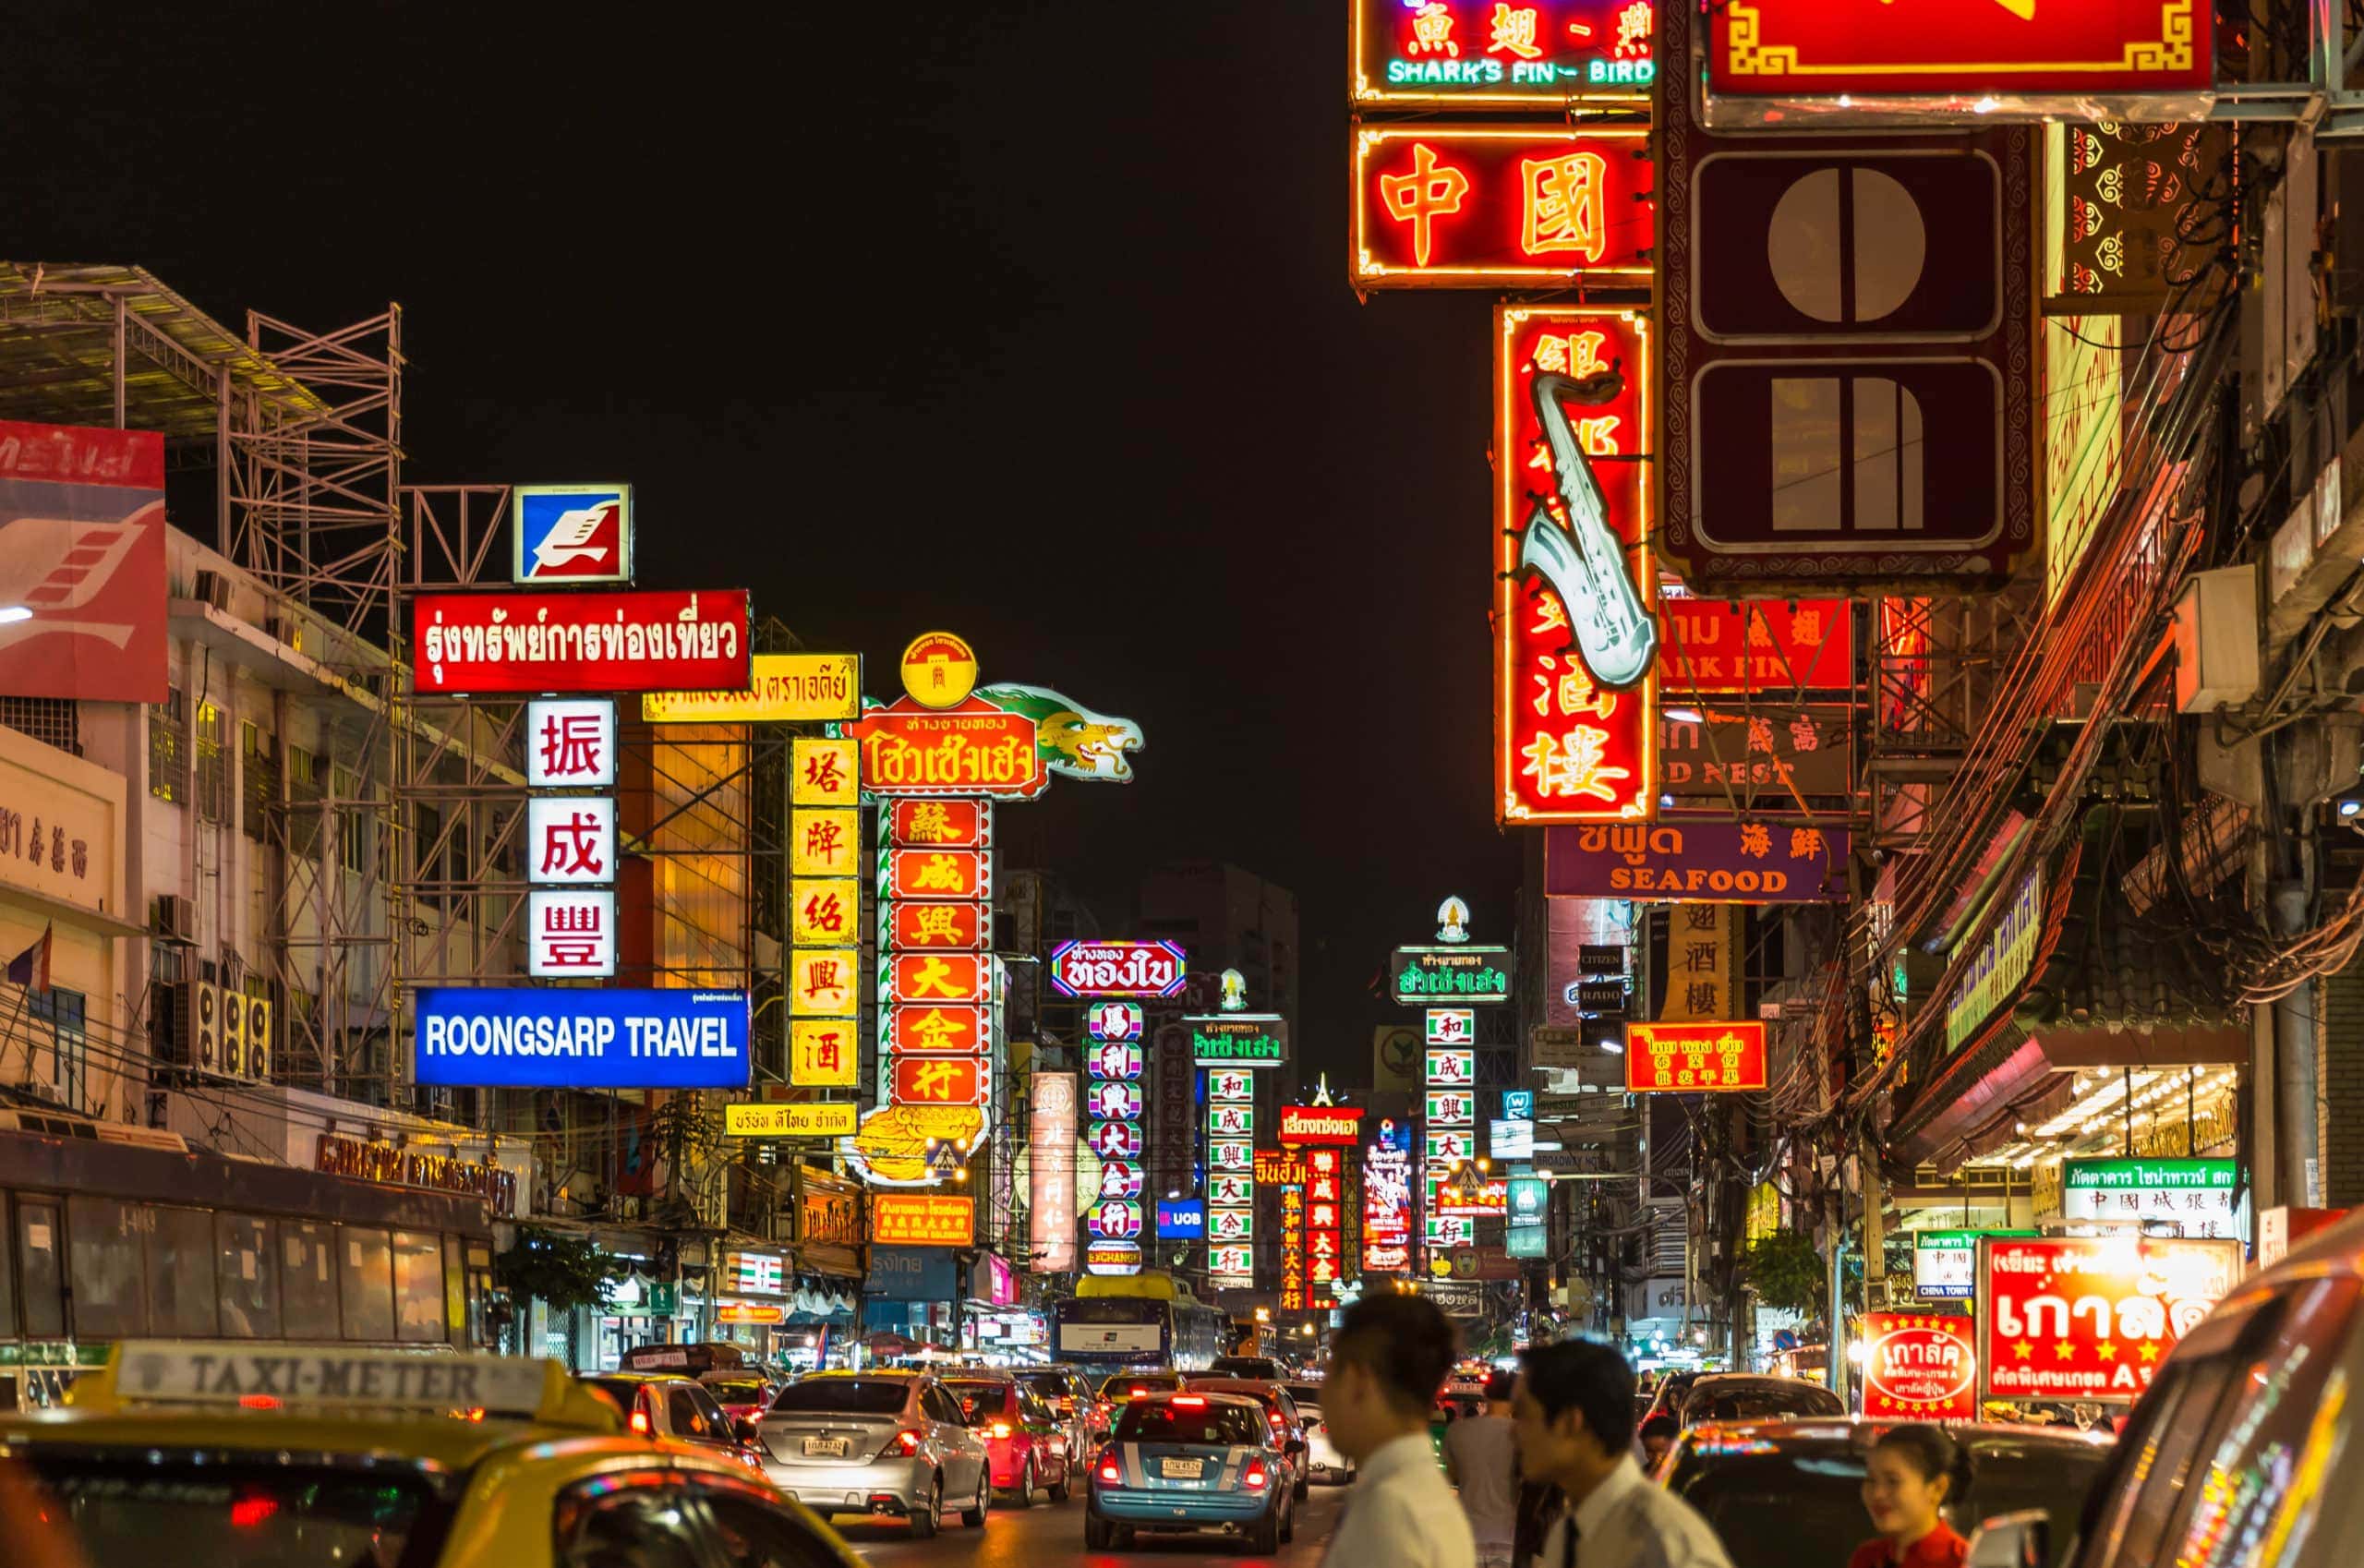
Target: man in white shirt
[[1482, 1458], [1574, 1414], [1389, 1357]]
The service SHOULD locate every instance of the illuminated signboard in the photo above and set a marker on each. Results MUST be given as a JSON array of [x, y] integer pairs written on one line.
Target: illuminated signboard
[[927, 872], [790, 687], [822, 1053], [921, 1219], [1245, 1039], [568, 533], [1755, 753], [1480, 53], [2196, 1195], [569, 930], [1755, 645], [2091, 1317], [1292, 1295], [1920, 1367], [1452, 1068], [571, 839], [1450, 1026], [540, 1037], [794, 1119], [1418, 975], [1326, 1262], [571, 744], [590, 640], [1957, 55], [1115, 1104], [973, 749], [1322, 1124], [1700, 862], [1575, 714], [1445, 206], [929, 978], [1945, 1262], [1117, 968], [2001, 963], [1387, 1202], [1691, 1057], [1231, 1165]]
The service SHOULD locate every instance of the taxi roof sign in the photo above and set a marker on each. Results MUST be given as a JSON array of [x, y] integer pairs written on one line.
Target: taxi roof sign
[[209, 1373]]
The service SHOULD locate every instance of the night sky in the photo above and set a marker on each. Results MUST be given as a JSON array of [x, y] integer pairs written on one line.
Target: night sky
[[1028, 320]]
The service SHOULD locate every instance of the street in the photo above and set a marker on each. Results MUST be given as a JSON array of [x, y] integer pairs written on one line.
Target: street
[[1052, 1533]]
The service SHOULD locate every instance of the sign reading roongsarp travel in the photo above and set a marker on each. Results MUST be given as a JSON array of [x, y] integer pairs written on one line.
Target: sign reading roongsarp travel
[[517, 1037]]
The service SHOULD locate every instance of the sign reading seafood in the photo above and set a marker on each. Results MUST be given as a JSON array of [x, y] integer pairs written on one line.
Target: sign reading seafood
[[2091, 1317], [585, 640]]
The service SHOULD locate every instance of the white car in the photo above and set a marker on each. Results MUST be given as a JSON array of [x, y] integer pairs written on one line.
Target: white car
[[1323, 1462]]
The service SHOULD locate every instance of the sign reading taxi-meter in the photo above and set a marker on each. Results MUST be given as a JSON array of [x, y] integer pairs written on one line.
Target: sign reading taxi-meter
[[1691, 1058]]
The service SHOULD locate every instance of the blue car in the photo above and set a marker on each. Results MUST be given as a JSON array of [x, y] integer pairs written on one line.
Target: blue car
[[1188, 1462]]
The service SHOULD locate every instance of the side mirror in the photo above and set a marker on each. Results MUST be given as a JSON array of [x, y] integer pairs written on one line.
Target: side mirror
[[1296, 1445], [744, 1429], [2011, 1540]]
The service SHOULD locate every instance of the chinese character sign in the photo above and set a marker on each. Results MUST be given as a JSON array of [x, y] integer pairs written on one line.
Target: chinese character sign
[[822, 1053], [825, 912], [1293, 1294], [571, 744], [1575, 741], [571, 839], [1486, 54], [1499, 206], [1115, 1106], [1231, 1151], [1050, 1135], [823, 772], [1694, 1056], [936, 987], [1702, 942], [570, 931], [1326, 1264], [1387, 1203]]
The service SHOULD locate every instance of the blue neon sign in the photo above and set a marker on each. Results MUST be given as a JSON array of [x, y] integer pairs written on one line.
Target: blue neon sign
[[537, 1037], [1184, 1220]]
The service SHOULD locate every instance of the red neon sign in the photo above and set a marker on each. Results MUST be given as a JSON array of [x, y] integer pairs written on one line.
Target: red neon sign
[[965, 824], [1825, 48], [937, 1030], [1920, 1367], [938, 874], [975, 749], [1716, 646], [2092, 1317], [1441, 205], [1497, 52], [1568, 748], [930, 978], [1322, 1124], [952, 927], [581, 640], [1688, 1057], [939, 1081]]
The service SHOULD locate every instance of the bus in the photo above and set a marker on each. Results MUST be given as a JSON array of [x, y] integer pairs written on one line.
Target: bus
[[1144, 1320]]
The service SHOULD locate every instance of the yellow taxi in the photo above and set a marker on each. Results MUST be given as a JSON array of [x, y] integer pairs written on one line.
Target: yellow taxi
[[205, 1453]]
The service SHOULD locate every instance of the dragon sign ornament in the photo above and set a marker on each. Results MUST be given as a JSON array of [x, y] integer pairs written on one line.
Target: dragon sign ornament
[[1074, 741]]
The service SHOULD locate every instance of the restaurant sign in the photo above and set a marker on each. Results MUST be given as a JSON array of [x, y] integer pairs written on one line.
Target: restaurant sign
[[1694, 1057], [1702, 861], [1921, 1366], [585, 640], [1549, 53], [1945, 1262], [2000, 965], [921, 1219], [972, 749], [2194, 1194], [1421, 975], [1755, 753], [2091, 1317]]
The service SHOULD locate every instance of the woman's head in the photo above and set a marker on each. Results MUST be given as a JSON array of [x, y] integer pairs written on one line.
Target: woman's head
[[1912, 1473]]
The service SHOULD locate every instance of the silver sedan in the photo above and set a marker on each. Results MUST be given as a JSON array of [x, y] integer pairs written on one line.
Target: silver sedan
[[883, 1444]]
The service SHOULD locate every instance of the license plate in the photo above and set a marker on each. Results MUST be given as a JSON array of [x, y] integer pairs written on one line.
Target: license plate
[[1182, 1469], [834, 1447]]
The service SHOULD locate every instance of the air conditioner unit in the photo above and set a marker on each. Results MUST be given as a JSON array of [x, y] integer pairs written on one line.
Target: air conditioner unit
[[197, 1026], [259, 1039], [233, 1033], [214, 589], [174, 918]]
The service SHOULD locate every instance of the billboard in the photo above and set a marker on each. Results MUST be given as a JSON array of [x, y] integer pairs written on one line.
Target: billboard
[[1697, 862], [971, 748], [1466, 974], [82, 595], [790, 687], [591, 640], [567, 534], [1754, 645], [1551, 53], [1521, 206], [921, 1219], [1117, 968], [1050, 1137], [1687, 1057], [1576, 724], [1922, 1367], [2196, 1195], [1181, 1219], [2091, 1317], [538, 1037]]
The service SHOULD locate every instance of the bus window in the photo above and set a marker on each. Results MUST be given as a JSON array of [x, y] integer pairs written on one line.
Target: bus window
[[249, 1283], [110, 1287], [307, 1280], [366, 1270], [39, 1265], [418, 1288], [180, 1274]]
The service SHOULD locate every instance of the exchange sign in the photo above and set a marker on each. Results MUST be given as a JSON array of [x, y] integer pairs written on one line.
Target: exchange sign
[[1575, 729], [592, 640], [2091, 1317], [1920, 1367], [1117, 968], [1692, 1056], [1467, 206], [1476, 52]]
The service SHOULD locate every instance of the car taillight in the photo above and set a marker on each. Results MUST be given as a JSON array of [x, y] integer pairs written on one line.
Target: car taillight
[[1001, 1428], [1274, 1417], [1108, 1470], [640, 1422], [1067, 1404], [1193, 1401], [906, 1442], [1257, 1478]]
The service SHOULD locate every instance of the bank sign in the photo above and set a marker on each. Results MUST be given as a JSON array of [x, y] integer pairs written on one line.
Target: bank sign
[[517, 1037]]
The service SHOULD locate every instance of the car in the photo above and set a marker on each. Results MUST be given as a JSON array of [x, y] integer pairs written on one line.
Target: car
[[889, 1445], [1069, 1394], [1191, 1462], [1754, 1397], [1674, 1388], [1788, 1494], [743, 1395], [206, 1453], [1322, 1460], [666, 1406], [1455, 1402], [2241, 1452], [1264, 1368], [1024, 1435], [1120, 1387], [1281, 1412]]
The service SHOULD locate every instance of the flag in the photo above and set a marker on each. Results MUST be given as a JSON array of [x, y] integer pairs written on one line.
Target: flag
[[29, 969]]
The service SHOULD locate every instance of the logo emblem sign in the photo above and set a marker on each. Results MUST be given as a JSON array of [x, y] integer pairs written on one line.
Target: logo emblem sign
[[572, 533], [939, 670]]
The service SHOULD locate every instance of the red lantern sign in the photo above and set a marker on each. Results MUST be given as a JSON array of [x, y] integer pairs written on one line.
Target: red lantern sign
[[1576, 703], [1443, 206], [2091, 1317], [1690, 1057], [1922, 1368], [1550, 54]]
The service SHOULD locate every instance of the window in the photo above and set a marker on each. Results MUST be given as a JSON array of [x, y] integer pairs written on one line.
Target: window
[[109, 1268], [942, 1406], [718, 1419], [843, 1396], [249, 1296], [352, 838], [41, 1268], [754, 1532], [167, 769], [1223, 1426], [365, 1276], [303, 803], [53, 721], [682, 1415], [418, 1288], [212, 766], [181, 1298], [637, 1519], [2160, 1452], [69, 1045], [307, 1280], [259, 774], [131, 1510]]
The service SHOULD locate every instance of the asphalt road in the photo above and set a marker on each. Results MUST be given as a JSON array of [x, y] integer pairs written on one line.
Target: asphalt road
[[1050, 1535]]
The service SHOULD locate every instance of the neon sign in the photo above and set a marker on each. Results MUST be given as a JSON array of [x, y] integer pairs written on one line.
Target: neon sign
[[1488, 52], [1462, 206]]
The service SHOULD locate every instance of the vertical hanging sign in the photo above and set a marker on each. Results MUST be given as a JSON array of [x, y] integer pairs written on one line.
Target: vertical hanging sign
[[1115, 1135]]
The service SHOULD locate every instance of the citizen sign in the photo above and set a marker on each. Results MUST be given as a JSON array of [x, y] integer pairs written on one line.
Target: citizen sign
[[1117, 968]]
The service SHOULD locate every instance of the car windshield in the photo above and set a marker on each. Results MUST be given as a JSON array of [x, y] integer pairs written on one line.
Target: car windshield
[[1803, 1507], [1050, 1385], [1162, 1420], [108, 1514], [990, 1397], [1759, 1401], [845, 1396], [1125, 1386]]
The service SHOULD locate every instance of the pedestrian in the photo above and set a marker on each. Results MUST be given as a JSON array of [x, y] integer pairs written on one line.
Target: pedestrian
[[1657, 1436], [1574, 1414], [1387, 1362], [1482, 1458], [1913, 1472]]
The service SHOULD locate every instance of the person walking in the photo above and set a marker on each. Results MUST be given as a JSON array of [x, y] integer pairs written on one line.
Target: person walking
[[1387, 1362], [1482, 1458], [1573, 1412]]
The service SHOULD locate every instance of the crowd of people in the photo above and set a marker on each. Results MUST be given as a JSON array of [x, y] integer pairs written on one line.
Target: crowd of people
[[1552, 1473]]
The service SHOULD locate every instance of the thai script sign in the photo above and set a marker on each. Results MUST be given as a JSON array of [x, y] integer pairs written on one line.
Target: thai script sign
[[1322, 1124], [1246, 1040], [1117, 968], [1756, 755], [520, 1037], [1720, 646], [1050, 1133], [1549, 53], [2195, 1194], [1471, 206], [1704, 861], [1945, 1262], [2091, 1317], [1691, 1057], [391, 1165], [1921, 1366], [591, 640], [1417, 975], [921, 1219], [973, 749], [2001, 964], [793, 688], [794, 1119]]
